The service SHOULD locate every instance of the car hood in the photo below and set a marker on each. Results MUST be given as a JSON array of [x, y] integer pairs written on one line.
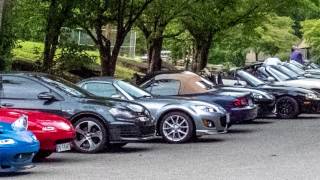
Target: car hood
[[301, 83], [276, 88]]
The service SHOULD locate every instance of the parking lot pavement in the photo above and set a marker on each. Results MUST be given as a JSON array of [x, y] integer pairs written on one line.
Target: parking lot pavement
[[265, 149]]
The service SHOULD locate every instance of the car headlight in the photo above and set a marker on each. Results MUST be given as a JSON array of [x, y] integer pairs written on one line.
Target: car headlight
[[7, 141], [135, 107], [122, 113], [21, 124], [312, 96], [205, 108], [34, 137], [257, 96]]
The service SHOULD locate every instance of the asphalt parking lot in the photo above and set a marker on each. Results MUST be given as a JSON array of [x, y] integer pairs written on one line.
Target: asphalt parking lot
[[265, 149]]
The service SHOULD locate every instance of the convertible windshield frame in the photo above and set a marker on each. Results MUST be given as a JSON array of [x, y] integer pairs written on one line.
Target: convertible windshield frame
[[250, 79], [133, 91]]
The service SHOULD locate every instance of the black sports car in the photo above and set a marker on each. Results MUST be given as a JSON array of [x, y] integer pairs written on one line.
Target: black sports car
[[99, 122], [290, 101]]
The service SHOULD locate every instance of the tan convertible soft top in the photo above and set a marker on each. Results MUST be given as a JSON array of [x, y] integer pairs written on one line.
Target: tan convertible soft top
[[190, 82]]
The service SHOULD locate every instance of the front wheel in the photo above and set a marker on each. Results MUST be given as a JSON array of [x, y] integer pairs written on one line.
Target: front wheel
[[287, 108], [91, 135], [176, 127]]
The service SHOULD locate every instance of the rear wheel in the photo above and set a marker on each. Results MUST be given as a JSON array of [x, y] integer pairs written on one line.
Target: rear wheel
[[42, 155], [176, 127], [91, 135], [287, 108]]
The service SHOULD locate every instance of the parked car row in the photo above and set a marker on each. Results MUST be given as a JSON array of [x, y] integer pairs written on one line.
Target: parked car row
[[49, 114]]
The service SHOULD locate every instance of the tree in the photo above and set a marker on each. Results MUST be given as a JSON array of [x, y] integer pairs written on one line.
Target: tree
[[208, 18], [153, 24], [7, 36], [97, 14], [312, 34], [58, 13]]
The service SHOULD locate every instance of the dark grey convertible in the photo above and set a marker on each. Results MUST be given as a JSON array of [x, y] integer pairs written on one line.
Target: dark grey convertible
[[178, 119]]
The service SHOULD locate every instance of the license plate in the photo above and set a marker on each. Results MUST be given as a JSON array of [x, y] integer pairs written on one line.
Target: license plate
[[228, 118], [63, 147]]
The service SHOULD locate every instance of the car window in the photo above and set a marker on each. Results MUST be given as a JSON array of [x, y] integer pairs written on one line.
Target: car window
[[165, 87], [21, 88], [287, 72], [279, 74], [102, 89]]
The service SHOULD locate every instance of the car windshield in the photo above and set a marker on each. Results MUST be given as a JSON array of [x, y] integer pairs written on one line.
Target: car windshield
[[132, 90], [205, 84], [295, 69], [278, 74], [288, 72], [314, 66], [250, 79], [65, 86]]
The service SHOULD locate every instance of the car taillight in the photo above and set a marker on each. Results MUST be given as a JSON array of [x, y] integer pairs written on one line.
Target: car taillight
[[240, 102]]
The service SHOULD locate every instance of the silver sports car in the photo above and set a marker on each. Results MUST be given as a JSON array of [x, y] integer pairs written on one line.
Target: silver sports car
[[178, 119]]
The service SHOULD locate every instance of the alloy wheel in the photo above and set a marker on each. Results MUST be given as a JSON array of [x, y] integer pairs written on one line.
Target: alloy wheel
[[175, 128], [88, 135]]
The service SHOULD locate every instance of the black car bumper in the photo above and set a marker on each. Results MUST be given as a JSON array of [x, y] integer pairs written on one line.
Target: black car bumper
[[131, 131], [238, 115], [265, 107], [310, 106]]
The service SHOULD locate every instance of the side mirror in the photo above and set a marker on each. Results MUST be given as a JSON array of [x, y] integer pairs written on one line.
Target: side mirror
[[271, 79], [46, 96]]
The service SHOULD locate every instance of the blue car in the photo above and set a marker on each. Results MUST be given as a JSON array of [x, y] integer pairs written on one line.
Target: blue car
[[17, 145]]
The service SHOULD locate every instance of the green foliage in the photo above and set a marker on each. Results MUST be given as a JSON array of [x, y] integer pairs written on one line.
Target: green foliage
[[312, 34], [30, 19], [73, 57], [273, 36]]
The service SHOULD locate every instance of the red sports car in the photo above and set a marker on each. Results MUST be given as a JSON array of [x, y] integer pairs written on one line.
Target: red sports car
[[54, 132]]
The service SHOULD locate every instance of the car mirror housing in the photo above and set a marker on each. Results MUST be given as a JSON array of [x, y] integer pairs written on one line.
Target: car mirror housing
[[46, 96]]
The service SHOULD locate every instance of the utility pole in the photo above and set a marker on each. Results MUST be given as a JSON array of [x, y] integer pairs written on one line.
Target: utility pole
[[2, 3]]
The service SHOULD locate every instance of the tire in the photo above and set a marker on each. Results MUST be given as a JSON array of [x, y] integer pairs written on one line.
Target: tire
[[176, 127], [91, 135], [42, 155], [287, 108]]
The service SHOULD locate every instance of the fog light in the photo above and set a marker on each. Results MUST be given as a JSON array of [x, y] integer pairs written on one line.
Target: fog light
[[208, 123]]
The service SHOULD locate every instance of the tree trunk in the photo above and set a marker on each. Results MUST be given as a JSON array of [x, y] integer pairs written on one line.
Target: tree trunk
[[49, 37], [156, 60], [2, 3], [202, 48]]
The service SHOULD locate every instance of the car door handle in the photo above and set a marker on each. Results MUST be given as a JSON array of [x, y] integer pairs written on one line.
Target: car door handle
[[6, 105]]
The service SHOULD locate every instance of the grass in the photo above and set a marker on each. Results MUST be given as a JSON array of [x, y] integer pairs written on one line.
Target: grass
[[31, 51]]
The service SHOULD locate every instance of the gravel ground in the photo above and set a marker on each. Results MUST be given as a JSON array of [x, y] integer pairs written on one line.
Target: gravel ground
[[265, 149]]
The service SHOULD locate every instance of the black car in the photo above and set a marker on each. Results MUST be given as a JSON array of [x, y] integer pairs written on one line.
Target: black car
[[290, 101], [99, 122]]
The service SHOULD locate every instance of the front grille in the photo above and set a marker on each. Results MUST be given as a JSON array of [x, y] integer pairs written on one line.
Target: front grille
[[223, 121], [63, 141], [22, 157]]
